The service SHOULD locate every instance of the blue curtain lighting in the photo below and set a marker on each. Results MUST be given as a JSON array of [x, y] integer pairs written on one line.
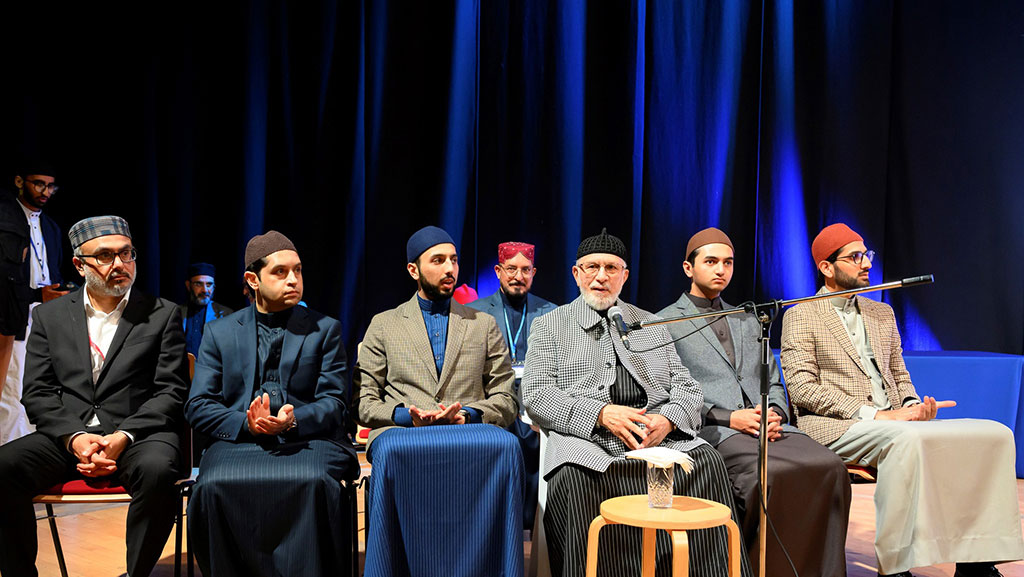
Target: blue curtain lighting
[[348, 126]]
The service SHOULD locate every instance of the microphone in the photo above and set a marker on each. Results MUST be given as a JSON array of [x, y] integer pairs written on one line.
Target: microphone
[[615, 314], [916, 280]]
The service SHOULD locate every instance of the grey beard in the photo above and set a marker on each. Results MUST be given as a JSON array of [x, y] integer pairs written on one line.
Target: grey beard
[[98, 286], [596, 303]]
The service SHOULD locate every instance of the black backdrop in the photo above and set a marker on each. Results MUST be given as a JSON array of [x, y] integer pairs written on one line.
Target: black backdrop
[[348, 125]]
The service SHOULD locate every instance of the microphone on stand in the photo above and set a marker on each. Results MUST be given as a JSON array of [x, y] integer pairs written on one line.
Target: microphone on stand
[[615, 314]]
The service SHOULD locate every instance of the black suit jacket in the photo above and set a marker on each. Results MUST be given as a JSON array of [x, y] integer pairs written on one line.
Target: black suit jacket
[[15, 240], [143, 384]]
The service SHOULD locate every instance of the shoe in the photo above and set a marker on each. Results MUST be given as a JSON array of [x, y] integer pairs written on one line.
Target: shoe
[[976, 570]]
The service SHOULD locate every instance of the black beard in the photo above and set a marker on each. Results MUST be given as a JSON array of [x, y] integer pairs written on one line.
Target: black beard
[[516, 300], [433, 292], [29, 200], [847, 282]]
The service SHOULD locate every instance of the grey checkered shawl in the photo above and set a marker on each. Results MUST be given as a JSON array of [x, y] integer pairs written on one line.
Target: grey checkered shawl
[[570, 367]]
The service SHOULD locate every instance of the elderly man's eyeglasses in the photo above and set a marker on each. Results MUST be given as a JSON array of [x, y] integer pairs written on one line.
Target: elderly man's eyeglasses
[[592, 269], [107, 256], [857, 257], [41, 186], [512, 271]]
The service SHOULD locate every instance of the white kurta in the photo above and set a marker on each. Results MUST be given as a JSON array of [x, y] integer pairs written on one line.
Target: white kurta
[[946, 490]]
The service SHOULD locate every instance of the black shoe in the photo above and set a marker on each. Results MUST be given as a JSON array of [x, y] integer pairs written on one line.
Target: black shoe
[[900, 574], [976, 570]]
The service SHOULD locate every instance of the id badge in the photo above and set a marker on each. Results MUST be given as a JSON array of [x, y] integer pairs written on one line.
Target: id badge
[[517, 368]]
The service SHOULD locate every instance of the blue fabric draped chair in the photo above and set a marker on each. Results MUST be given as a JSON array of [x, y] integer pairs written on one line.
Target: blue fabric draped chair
[[445, 500]]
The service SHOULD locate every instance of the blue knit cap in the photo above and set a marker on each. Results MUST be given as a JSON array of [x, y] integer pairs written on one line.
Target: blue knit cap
[[425, 238]]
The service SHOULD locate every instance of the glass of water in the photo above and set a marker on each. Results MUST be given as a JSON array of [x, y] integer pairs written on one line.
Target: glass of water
[[659, 486]]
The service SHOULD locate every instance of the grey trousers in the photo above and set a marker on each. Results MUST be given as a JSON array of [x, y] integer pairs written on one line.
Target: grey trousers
[[946, 490]]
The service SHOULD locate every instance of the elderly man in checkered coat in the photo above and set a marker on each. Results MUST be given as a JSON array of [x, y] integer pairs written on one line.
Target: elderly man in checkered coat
[[596, 399]]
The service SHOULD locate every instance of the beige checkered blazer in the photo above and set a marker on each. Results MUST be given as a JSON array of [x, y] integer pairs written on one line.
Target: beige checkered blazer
[[396, 367], [827, 382]]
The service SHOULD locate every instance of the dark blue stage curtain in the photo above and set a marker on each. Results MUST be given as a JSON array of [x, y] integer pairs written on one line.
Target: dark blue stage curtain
[[347, 125]]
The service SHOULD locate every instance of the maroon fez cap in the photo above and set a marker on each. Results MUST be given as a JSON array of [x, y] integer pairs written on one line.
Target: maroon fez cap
[[832, 238], [263, 245], [707, 236]]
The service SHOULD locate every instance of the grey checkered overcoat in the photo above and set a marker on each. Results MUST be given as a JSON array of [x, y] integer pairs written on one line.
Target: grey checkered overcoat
[[570, 367]]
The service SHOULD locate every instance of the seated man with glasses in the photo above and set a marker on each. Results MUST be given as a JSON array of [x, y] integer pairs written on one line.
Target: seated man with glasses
[[105, 380], [598, 399], [946, 490], [515, 309], [30, 261]]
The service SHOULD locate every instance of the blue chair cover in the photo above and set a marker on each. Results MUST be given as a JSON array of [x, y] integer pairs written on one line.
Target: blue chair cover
[[445, 500], [984, 386]]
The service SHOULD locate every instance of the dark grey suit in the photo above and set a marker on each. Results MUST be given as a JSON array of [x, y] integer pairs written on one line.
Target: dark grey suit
[[725, 386], [809, 490], [140, 390]]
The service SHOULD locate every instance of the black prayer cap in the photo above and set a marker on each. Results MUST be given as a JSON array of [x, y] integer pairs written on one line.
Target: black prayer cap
[[603, 243]]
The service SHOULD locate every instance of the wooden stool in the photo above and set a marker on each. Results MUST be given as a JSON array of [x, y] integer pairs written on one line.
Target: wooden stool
[[686, 513]]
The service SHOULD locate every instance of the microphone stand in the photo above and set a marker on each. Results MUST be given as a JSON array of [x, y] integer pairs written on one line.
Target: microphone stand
[[765, 313]]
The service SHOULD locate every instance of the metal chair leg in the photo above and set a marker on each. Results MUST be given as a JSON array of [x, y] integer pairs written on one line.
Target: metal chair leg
[[56, 540], [177, 542], [188, 540]]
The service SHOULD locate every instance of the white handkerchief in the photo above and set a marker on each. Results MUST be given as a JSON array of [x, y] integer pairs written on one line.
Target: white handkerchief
[[663, 457]]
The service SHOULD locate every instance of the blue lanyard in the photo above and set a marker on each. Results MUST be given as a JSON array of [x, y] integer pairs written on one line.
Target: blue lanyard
[[508, 331], [39, 258]]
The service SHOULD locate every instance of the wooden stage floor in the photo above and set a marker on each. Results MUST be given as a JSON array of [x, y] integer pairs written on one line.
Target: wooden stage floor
[[93, 541]]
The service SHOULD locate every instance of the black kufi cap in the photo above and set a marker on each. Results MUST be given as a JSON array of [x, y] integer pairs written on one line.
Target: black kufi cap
[[603, 243]]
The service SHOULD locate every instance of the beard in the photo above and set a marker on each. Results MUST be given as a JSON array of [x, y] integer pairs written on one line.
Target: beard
[[598, 303], [199, 301], [101, 287], [33, 201], [847, 282], [434, 292]]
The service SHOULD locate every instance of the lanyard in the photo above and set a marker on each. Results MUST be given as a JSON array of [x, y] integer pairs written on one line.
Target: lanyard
[[508, 330], [39, 259]]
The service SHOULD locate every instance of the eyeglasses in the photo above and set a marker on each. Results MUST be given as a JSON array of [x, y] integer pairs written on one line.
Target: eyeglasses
[[107, 257], [512, 271], [41, 186], [591, 269], [857, 257]]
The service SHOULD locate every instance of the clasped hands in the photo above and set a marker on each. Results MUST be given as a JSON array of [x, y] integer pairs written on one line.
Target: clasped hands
[[261, 422], [923, 411], [97, 454], [449, 415], [625, 423], [749, 421]]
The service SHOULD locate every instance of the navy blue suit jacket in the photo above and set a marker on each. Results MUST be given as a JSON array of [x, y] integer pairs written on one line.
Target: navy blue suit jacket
[[313, 371], [492, 305]]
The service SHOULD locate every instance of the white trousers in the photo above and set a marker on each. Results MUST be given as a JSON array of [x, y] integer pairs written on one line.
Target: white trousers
[[13, 420], [946, 490]]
